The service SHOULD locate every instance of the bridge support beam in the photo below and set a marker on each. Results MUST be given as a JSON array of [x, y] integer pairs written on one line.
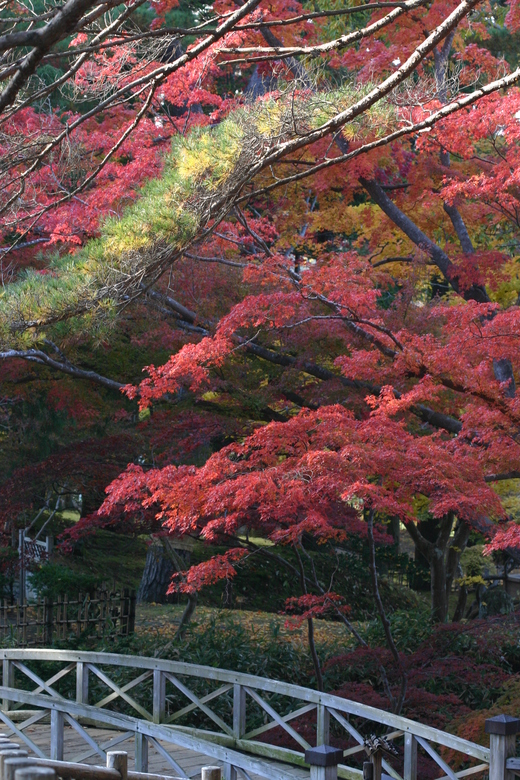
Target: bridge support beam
[[141, 753], [57, 728], [7, 680], [502, 731], [159, 696], [82, 682], [410, 757], [322, 725], [239, 711]]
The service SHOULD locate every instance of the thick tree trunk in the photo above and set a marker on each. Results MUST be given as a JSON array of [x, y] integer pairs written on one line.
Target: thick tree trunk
[[156, 577]]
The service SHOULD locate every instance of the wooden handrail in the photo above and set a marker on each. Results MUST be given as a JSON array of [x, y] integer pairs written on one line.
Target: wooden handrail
[[298, 692]]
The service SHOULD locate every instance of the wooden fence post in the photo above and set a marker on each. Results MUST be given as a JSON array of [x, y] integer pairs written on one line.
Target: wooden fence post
[[118, 759], [57, 727], [141, 752], [159, 695], [131, 614], [502, 731], [324, 762], [47, 621], [410, 757], [123, 613]]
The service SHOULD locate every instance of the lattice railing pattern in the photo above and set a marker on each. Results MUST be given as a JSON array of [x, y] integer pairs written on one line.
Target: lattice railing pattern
[[228, 715]]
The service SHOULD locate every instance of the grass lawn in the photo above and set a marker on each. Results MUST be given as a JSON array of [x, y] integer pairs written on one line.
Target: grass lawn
[[161, 621]]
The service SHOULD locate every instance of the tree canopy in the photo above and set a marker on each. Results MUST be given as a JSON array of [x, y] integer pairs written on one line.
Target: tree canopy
[[301, 220]]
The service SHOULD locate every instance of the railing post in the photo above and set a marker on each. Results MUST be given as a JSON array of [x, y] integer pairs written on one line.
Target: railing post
[[81, 682], [7, 680], [57, 727], [118, 759], [141, 752], [159, 695], [239, 711], [322, 725], [211, 773], [230, 772], [502, 731], [5, 754], [324, 762], [410, 757], [12, 764]]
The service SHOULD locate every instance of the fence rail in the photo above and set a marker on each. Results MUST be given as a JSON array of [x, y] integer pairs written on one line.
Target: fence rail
[[47, 620]]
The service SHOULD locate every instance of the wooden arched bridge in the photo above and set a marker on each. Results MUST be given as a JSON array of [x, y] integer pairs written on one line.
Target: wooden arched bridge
[[173, 717]]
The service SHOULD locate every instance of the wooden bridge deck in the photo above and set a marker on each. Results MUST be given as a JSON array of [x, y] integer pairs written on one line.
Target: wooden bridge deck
[[75, 749]]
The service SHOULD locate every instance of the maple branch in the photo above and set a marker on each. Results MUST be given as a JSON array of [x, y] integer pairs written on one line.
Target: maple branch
[[409, 129], [502, 476], [316, 15], [280, 52], [421, 240], [62, 364], [460, 228], [39, 94], [43, 39], [310, 624], [397, 705], [424, 546], [430, 416], [156, 77]]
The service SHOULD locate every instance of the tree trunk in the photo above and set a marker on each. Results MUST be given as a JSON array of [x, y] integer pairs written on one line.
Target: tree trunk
[[156, 577], [443, 557], [438, 587], [394, 529]]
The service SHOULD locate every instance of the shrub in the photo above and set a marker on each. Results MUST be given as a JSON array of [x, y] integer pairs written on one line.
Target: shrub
[[51, 580]]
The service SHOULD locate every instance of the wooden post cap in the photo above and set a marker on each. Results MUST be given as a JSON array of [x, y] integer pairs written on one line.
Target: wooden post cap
[[323, 755], [211, 773], [505, 725], [35, 773], [5, 754], [118, 759], [12, 764]]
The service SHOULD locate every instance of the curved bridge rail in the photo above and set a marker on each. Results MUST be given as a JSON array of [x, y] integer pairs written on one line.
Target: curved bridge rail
[[213, 711]]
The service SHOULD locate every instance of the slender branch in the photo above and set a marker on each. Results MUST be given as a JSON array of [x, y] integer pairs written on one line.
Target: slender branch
[[310, 624], [397, 704]]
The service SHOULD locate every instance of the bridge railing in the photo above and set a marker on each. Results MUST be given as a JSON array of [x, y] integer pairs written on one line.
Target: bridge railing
[[229, 712]]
